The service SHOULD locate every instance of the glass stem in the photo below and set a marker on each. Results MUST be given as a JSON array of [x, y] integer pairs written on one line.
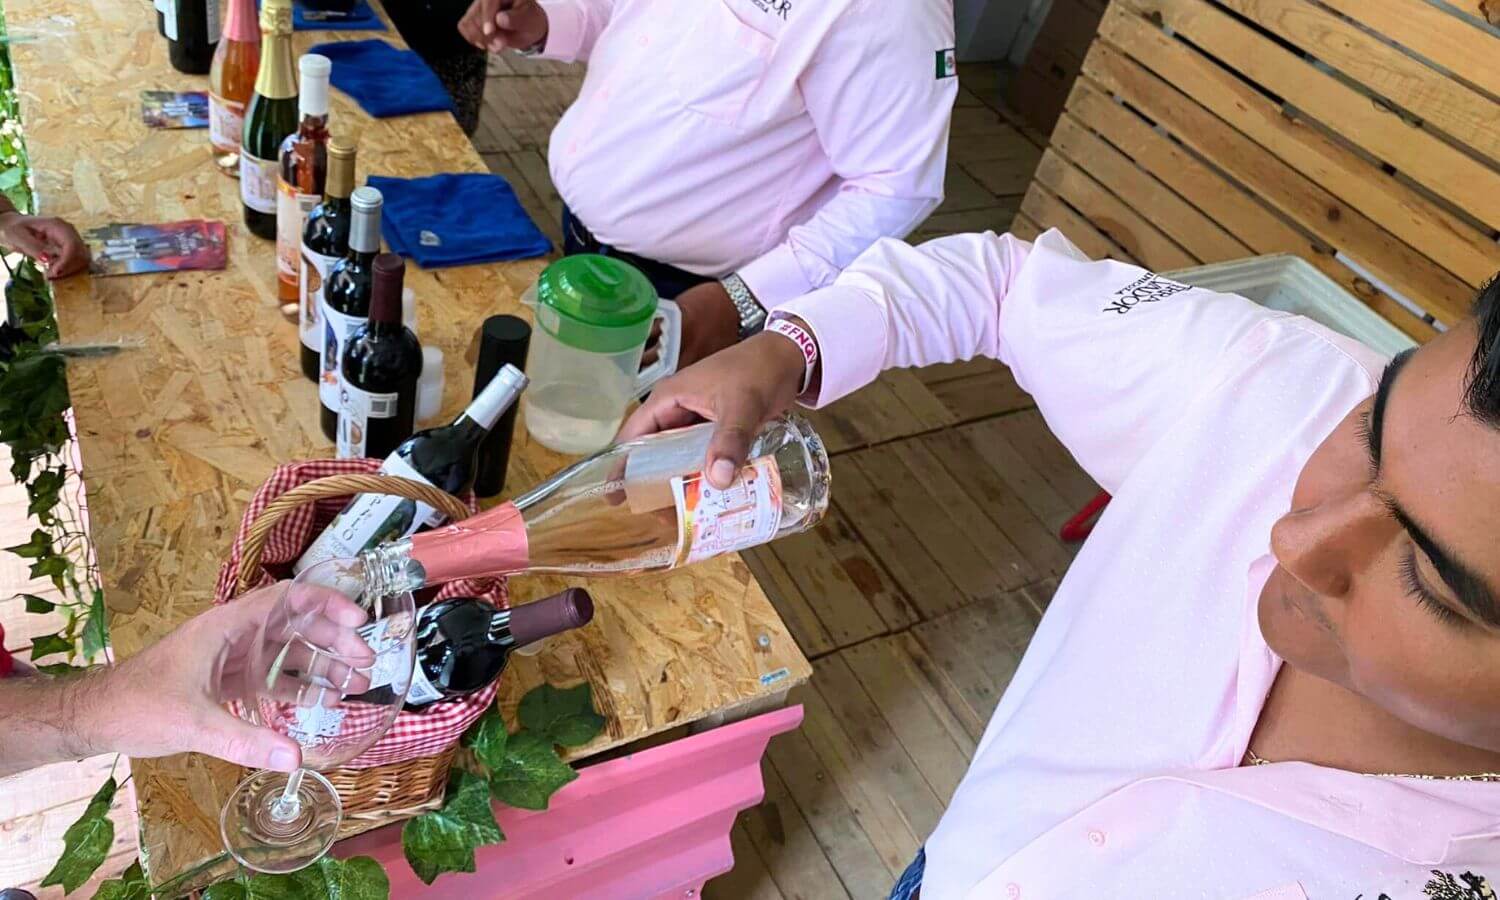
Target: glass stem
[[289, 805]]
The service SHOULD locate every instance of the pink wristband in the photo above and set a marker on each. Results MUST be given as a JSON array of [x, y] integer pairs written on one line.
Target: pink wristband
[[804, 341]]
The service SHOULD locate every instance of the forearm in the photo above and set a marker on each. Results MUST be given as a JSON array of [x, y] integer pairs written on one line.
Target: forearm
[[45, 720]]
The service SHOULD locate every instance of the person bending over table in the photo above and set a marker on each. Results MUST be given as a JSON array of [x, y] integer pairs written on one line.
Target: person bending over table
[[168, 698], [740, 152], [1274, 668], [50, 241]]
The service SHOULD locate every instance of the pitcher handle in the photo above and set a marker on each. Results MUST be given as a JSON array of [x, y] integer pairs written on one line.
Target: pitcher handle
[[669, 348]]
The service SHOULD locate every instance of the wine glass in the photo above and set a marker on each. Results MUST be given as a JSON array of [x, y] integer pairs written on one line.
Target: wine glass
[[330, 669]]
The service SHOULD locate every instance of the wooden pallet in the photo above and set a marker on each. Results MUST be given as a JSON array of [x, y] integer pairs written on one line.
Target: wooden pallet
[[1362, 135]]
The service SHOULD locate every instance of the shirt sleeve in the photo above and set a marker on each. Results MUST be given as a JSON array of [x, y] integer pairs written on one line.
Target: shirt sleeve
[[1110, 352], [890, 163], [573, 26]]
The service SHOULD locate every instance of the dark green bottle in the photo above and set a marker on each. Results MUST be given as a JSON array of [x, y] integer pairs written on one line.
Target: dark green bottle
[[270, 116]]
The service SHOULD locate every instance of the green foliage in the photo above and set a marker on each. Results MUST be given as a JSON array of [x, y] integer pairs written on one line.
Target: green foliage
[[35, 604], [131, 885], [444, 840], [530, 772], [566, 715], [86, 842], [360, 878]]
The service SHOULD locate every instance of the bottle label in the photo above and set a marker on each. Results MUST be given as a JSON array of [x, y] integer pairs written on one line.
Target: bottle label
[[311, 724], [310, 277], [211, 26], [421, 691], [356, 408], [392, 662], [226, 123], [291, 211], [711, 521], [171, 19], [258, 183], [336, 330], [371, 519]]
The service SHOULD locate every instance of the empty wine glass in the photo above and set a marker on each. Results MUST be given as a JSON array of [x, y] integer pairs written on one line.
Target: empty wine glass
[[330, 669]]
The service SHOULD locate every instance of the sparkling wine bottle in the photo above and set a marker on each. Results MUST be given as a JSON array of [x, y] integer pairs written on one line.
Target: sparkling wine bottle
[[463, 644], [302, 169], [325, 241], [638, 506], [346, 301], [270, 117], [192, 29], [231, 80], [442, 457], [381, 364]]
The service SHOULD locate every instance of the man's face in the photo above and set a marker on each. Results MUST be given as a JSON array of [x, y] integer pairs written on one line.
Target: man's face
[[1390, 556]]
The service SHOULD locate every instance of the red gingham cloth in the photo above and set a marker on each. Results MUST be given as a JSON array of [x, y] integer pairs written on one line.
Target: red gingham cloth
[[413, 735]]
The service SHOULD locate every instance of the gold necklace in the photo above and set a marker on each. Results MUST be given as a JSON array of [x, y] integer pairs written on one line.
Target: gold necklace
[[1254, 759]]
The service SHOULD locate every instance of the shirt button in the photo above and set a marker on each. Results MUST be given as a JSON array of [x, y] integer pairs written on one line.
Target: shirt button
[[1096, 837], [1013, 891]]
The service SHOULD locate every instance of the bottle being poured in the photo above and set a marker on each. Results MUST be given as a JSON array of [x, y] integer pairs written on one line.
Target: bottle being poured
[[639, 506]]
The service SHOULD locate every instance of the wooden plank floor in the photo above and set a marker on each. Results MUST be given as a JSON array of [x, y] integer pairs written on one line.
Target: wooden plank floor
[[915, 599]]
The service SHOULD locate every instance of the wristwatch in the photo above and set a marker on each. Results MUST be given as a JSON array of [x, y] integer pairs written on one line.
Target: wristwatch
[[752, 314]]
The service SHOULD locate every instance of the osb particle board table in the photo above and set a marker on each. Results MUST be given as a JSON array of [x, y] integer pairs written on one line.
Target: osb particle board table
[[176, 436]]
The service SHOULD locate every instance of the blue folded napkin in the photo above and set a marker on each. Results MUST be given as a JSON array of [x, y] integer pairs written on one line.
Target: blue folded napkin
[[456, 220], [361, 18], [384, 81]]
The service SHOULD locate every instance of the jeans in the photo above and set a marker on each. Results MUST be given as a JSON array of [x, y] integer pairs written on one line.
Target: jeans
[[911, 880], [668, 280]]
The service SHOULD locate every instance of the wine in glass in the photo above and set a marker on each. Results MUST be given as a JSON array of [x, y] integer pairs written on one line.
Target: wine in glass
[[330, 669]]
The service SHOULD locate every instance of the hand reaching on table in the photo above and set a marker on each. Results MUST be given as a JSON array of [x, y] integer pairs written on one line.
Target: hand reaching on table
[[497, 25], [50, 241]]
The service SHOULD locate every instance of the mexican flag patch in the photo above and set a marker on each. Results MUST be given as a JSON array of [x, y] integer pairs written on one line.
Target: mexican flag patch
[[947, 63]]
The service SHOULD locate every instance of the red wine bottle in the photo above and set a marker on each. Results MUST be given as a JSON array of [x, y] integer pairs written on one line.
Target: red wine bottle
[[346, 301], [192, 30], [325, 241], [463, 644], [381, 364]]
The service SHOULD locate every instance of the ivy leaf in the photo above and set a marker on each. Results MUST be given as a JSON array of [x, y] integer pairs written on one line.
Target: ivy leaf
[[59, 669], [20, 467], [44, 491], [530, 772], [35, 604], [48, 644], [85, 843], [95, 628], [359, 878], [224, 890], [488, 737], [444, 840], [565, 715], [131, 885], [51, 566], [40, 545], [11, 178]]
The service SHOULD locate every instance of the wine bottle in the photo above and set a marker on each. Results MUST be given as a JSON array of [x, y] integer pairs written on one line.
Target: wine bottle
[[302, 170], [442, 457], [270, 117], [192, 28], [638, 506], [325, 241], [463, 644], [231, 80], [381, 363], [346, 301]]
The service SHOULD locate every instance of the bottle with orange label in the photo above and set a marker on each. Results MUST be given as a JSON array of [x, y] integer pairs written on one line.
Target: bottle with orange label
[[301, 171]]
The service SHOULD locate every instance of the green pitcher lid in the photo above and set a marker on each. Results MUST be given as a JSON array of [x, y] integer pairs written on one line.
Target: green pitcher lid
[[600, 304]]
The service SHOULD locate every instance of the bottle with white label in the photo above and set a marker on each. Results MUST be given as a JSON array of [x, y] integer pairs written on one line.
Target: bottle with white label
[[325, 241], [346, 301], [380, 366], [443, 457], [192, 31], [269, 118], [303, 169]]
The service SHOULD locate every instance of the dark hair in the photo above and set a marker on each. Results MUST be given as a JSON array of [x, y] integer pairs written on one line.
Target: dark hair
[[1482, 394]]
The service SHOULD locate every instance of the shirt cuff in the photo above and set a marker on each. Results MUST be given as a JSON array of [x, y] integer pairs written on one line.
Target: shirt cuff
[[775, 277], [564, 30], [850, 328]]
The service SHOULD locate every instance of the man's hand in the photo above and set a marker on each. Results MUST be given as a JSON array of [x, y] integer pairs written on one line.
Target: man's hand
[[710, 322], [52, 242], [740, 388], [497, 25], [166, 699]]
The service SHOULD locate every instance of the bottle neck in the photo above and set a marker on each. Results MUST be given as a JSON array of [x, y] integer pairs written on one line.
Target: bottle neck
[[364, 235], [240, 24], [277, 79], [313, 127], [489, 544]]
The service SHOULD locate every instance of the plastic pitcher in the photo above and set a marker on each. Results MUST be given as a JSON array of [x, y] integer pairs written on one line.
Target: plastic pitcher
[[593, 316]]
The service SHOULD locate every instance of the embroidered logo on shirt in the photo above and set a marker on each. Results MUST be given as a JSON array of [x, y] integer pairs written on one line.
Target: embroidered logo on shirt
[[1445, 886], [774, 7], [1149, 288], [947, 63]]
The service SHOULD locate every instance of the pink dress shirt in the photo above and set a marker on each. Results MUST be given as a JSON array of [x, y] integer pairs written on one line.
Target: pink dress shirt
[[1110, 769], [776, 138]]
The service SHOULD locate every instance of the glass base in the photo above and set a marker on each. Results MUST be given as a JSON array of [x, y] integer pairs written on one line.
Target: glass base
[[265, 837]]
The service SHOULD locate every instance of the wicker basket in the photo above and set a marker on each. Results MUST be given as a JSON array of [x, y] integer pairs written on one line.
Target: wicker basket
[[380, 794]]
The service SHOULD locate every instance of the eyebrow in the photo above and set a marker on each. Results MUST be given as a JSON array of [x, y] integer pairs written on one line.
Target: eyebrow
[[1468, 587]]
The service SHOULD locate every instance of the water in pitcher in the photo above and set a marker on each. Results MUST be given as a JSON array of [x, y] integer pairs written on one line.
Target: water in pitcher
[[574, 418]]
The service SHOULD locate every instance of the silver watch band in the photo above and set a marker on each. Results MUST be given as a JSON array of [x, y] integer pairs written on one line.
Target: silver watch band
[[752, 314]]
